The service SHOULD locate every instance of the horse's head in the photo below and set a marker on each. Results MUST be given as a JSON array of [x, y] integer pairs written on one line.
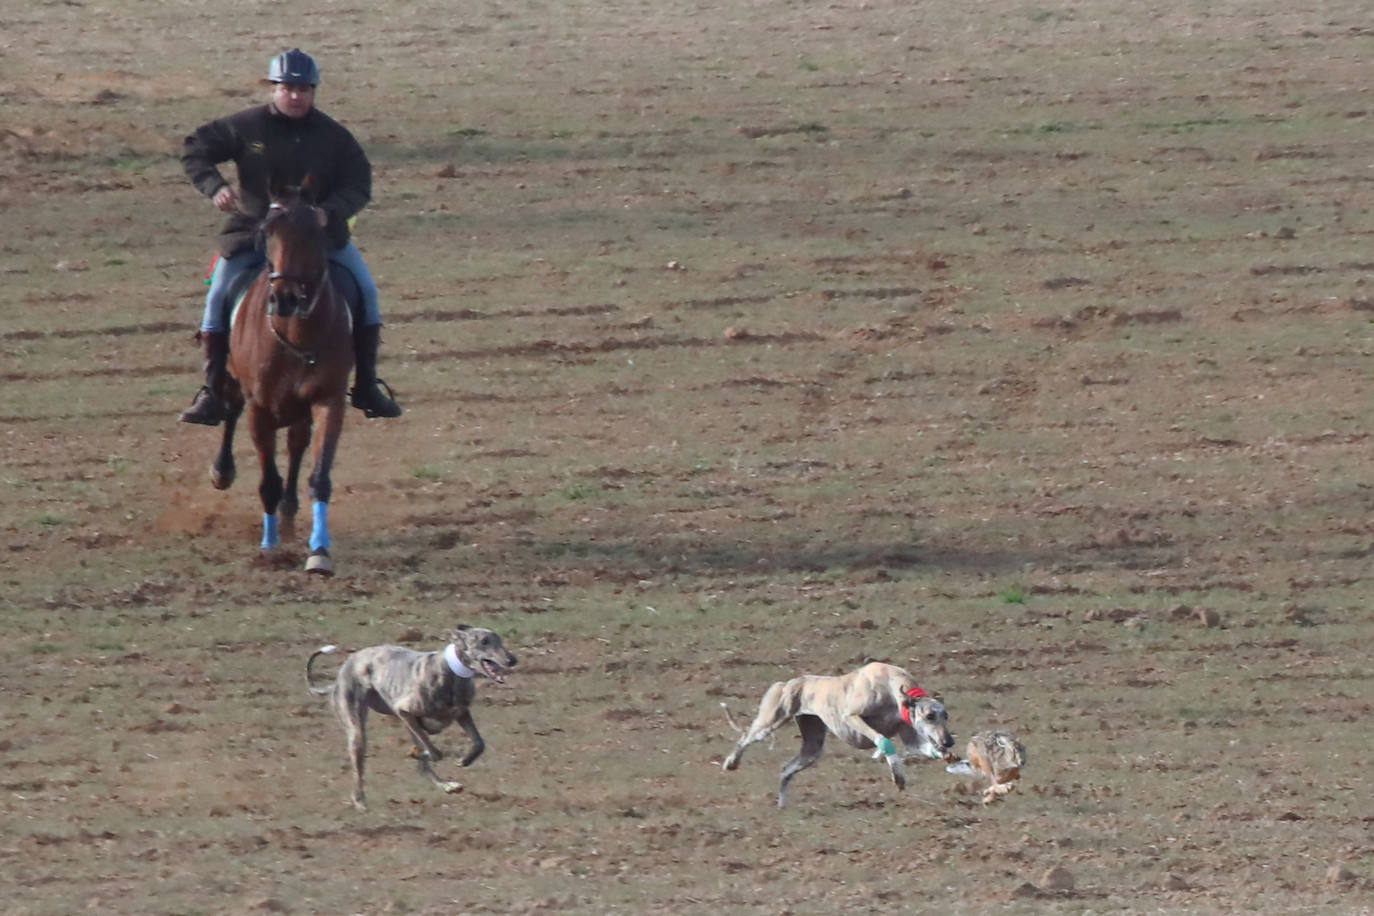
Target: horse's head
[[297, 256]]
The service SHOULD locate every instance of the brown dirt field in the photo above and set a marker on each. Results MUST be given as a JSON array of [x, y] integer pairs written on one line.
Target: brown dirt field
[[1025, 346]]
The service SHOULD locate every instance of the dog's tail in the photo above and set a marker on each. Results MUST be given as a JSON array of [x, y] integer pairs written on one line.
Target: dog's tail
[[730, 719], [322, 650]]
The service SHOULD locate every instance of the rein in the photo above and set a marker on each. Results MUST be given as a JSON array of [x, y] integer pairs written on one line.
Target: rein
[[305, 356]]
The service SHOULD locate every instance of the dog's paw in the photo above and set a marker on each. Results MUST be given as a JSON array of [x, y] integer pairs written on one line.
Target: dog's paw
[[452, 788], [417, 753]]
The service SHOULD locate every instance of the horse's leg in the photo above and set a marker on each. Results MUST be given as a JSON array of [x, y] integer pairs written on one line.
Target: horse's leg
[[270, 487], [297, 440], [328, 425], [223, 472]]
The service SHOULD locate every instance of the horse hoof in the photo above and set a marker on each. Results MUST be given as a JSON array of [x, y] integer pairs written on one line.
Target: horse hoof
[[221, 481], [318, 563]]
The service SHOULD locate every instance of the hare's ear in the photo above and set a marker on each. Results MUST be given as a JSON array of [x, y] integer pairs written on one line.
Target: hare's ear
[[462, 626]]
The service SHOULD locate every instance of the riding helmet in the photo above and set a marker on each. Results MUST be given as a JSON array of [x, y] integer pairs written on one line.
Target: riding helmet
[[294, 66]]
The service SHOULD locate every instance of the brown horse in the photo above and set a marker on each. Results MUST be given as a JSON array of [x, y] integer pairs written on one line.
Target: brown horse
[[290, 354]]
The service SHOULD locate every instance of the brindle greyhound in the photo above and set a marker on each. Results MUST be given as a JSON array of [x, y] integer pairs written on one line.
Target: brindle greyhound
[[427, 691]]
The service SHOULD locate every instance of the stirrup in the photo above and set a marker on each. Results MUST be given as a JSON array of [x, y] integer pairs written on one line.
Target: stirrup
[[206, 409], [373, 403]]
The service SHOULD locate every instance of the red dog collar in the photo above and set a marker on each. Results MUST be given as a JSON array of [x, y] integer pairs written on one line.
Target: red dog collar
[[914, 693]]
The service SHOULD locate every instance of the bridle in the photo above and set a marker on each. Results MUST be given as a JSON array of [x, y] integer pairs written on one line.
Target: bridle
[[276, 279]]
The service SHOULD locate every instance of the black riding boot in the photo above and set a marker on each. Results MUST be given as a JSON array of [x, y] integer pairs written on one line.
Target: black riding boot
[[208, 407], [366, 396]]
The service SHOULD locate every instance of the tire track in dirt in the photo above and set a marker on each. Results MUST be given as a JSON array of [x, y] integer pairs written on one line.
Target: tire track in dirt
[[448, 315], [445, 315], [103, 372], [152, 327], [754, 382], [15, 419], [556, 348], [465, 173]]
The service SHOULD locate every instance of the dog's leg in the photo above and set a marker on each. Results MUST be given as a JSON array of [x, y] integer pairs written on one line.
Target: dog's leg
[[445, 785], [423, 746], [913, 745], [813, 733], [898, 771], [476, 744], [426, 752], [353, 715], [856, 724], [911, 742], [774, 710]]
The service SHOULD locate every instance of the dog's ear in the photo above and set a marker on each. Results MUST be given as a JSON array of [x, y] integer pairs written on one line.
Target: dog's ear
[[936, 695], [461, 627]]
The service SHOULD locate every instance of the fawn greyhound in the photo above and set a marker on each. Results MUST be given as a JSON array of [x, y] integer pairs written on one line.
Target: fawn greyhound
[[865, 708]]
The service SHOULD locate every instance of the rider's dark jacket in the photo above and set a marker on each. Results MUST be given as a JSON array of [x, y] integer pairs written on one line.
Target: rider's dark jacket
[[271, 150]]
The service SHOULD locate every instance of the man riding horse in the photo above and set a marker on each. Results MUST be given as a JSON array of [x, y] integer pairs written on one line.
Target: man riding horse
[[287, 141]]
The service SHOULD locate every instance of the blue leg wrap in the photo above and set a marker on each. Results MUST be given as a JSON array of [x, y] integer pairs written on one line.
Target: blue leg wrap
[[269, 531], [319, 528]]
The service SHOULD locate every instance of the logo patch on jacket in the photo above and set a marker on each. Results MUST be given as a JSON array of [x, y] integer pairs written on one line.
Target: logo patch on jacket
[[257, 147]]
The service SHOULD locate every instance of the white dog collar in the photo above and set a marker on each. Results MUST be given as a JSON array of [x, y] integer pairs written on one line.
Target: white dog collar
[[454, 663]]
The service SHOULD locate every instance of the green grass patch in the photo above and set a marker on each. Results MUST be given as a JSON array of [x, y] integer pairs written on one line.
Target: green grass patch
[[1013, 594]]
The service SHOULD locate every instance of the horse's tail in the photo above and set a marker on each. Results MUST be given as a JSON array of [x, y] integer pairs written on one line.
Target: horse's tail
[[322, 650]]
